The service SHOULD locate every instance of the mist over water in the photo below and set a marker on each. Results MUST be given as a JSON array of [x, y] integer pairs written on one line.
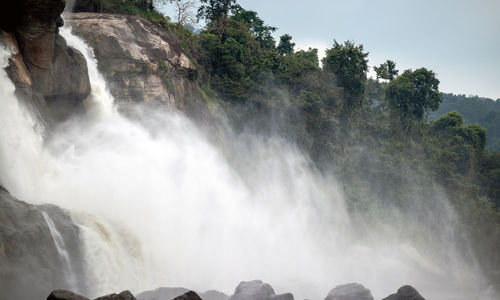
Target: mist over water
[[158, 204]]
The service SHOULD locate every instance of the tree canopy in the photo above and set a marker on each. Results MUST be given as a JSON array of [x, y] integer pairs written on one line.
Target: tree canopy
[[349, 63], [414, 93]]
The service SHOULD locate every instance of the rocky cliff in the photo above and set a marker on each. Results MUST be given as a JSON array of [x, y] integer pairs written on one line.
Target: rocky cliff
[[142, 61], [46, 72]]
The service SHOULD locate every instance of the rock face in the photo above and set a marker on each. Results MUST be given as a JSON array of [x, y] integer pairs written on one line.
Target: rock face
[[65, 295], [257, 290], [40, 268], [125, 295], [188, 296], [166, 293], [350, 291], [406, 292], [45, 68], [142, 61], [68, 295]]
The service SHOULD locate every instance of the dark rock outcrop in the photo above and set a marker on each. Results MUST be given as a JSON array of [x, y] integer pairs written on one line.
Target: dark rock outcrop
[[125, 295], [188, 296], [406, 292], [163, 293], [65, 295], [350, 291], [257, 290], [167, 293], [30, 264], [68, 295], [56, 72]]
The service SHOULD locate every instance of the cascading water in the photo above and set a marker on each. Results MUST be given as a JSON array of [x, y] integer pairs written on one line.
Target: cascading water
[[61, 250], [158, 205]]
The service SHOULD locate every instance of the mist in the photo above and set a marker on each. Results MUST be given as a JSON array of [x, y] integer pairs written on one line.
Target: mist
[[159, 203]]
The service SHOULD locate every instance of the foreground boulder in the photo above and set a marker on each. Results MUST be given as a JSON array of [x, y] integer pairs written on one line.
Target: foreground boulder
[[188, 296], [350, 291], [406, 292], [257, 290], [65, 295], [169, 293], [125, 295], [163, 293], [68, 295]]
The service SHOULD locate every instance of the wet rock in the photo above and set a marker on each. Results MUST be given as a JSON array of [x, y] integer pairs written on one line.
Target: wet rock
[[28, 254], [406, 292], [351, 291], [188, 296], [257, 290], [65, 295], [163, 293], [125, 295]]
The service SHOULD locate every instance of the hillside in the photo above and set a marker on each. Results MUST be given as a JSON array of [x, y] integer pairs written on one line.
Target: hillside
[[482, 111]]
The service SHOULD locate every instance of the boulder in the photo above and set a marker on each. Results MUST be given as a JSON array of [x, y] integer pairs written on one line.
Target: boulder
[[257, 290], [65, 295], [406, 292], [351, 291], [188, 296], [125, 295], [163, 293]]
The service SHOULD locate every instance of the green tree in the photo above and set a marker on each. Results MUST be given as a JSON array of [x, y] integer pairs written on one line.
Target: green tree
[[386, 70], [261, 32], [216, 13], [285, 45], [349, 64], [413, 94]]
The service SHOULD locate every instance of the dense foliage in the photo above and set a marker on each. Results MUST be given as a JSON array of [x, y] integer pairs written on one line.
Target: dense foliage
[[483, 111], [374, 134]]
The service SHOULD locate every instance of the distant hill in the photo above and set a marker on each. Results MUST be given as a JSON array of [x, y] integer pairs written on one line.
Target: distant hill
[[483, 111]]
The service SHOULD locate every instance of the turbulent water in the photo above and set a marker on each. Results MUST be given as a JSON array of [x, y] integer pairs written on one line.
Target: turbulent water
[[158, 204]]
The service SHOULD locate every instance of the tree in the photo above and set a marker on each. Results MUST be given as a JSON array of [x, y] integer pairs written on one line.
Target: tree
[[349, 64], [216, 13], [261, 32], [285, 45], [386, 70], [413, 94], [184, 11]]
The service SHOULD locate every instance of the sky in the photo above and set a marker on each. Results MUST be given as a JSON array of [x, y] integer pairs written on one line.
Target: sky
[[457, 39]]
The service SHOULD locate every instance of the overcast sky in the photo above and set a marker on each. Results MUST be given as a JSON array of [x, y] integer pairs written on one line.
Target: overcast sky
[[457, 39]]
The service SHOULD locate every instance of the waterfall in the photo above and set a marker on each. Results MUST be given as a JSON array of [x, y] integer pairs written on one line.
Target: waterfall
[[100, 101], [61, 249], [158, 204]]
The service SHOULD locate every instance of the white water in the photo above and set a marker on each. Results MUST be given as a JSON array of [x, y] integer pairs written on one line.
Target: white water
[[61, 250], [159, 205]]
